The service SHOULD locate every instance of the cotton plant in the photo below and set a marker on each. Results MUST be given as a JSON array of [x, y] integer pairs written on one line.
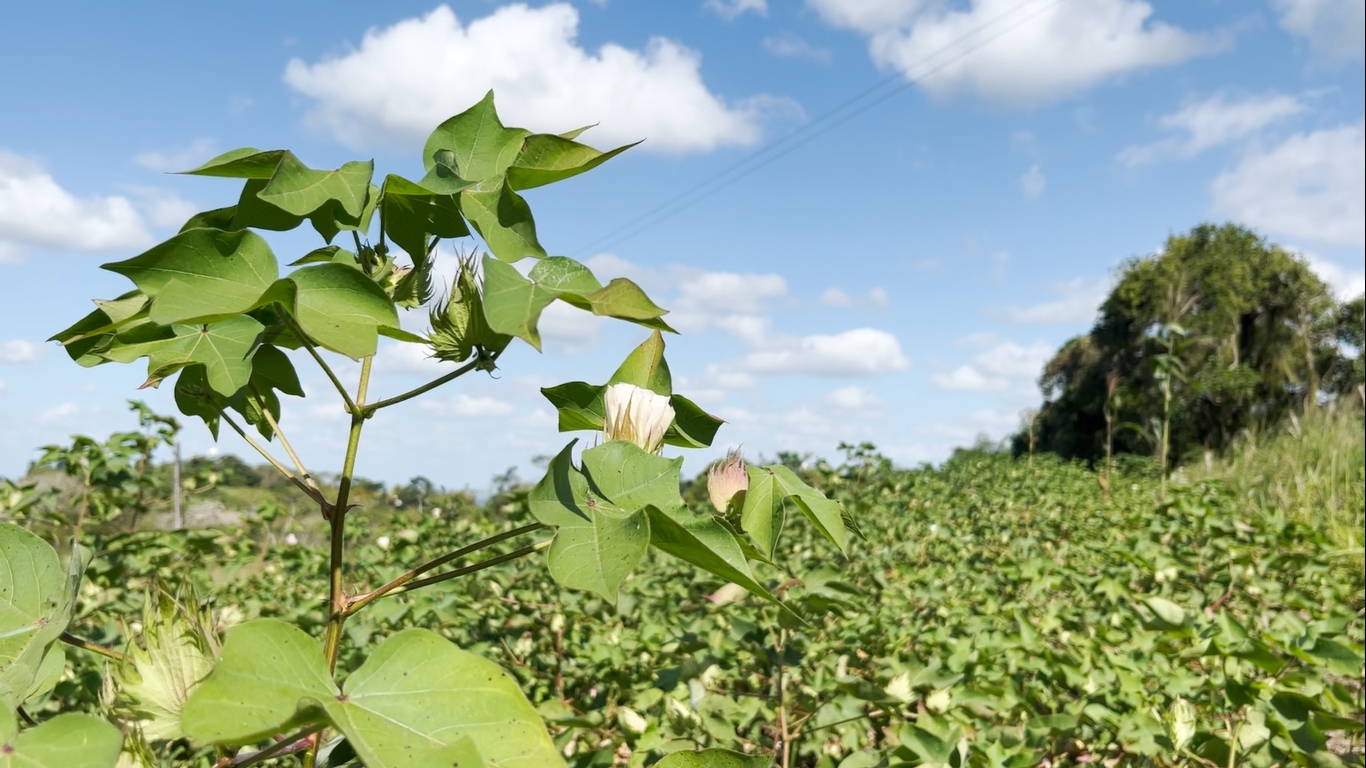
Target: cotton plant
[[223, 326]]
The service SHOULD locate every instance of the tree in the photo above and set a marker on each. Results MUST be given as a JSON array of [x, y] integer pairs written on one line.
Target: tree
[[1218, 333]]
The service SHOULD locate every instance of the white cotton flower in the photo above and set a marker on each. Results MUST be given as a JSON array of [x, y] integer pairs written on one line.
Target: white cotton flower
[[382, 542], [291, 539], [637, 416]]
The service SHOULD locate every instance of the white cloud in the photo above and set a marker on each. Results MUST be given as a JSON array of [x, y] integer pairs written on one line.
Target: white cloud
[[191, 156], [1033, 183], [999, 366], [19, 351], [1347, 283], [1076, 304], [57, 413], [834, 297], [750, 330], [162, 208], [568, 330], [853, 399], [1335, 29], [1312, 186], [405, 79], [36, 212], [1211, 122], [858, 353], [466, 406], [1015, 55], [729, 292], [730, 9], [788, 45]]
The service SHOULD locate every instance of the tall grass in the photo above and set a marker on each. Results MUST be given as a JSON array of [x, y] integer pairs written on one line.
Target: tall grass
[[1312, 469]]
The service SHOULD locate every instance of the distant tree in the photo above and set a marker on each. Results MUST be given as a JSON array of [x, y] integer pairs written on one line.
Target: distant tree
[[1217, 333]]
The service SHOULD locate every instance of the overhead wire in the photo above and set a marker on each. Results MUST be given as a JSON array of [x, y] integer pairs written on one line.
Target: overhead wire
[[809, 132]]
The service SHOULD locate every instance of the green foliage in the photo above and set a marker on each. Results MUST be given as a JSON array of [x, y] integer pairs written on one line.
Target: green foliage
[[1217, 334]]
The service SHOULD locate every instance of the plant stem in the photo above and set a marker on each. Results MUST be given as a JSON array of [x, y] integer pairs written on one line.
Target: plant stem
[[467, 570], [336, 594], [274, 462], [296, 742], [429, 386], [318, 358], [284, 443], [360, 601], [81, 642]]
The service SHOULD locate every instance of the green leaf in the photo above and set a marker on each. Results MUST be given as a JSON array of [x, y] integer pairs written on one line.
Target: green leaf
[[223, 348], [411, 214], [418, 697], [218, 218], [547, 158], [503, 219], [513, 304], [93, 333], [341, 309], [692, 427], [297, 189], [632, 479], [66, 741], [564, 275], [481, 148], [714, 758], [579, 404], [271, 676], [646, 368], [826, 515], [623, 299], [1167, 615], [252, 211], [328, 254], [272, 368], [706, 544], [202, 275], [194, 397], [37, 597], [762, 515], [245, 163]]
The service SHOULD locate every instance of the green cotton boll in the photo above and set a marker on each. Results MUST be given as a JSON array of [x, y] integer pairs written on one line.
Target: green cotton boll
[[176, 653], [460, 328]]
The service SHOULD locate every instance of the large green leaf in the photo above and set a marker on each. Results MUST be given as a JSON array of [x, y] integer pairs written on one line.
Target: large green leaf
[[411, 214], [85, 339], [579, 404], [762, 515], [252, 211], [270, 676], [597, 543], [418, 696], [482, 148], [340, 308], [692, 427], [244, 163], [504, 220], [714, 758], [66, 741], [417, 702], [546, 158], [297, 189], [706, 544], [564, 275], [512, 303], [631, 478], [202, 275], [223, 348], [37, 597]]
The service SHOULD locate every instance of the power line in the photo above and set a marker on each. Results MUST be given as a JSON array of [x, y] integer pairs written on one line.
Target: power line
[[810, 132]]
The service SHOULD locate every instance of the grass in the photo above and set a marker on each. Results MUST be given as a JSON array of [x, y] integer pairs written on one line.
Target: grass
[[1312, 469]]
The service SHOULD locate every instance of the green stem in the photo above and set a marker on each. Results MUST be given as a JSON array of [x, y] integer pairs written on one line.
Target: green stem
[[327, 369], [369, 410], [467, 570], [289, 449], [360, 601], [80, 642], [296, 742], [336, 594], [279, 467]]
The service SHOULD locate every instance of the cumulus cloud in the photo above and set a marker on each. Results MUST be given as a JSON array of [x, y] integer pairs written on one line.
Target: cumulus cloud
[[568, 330], [466, 406], [834, 297], [36, 212], [1312, 186], [1335, 29], [997, 366], [1346, 282], [18, 351], [406, 78], [859, 353], [853, 399], [1011, 55], [730, 9], [1033, 183], [1219, 119], [788, 45], [1077, 303]]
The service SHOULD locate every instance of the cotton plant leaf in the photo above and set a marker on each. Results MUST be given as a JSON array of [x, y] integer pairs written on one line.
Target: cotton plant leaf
[[481, 147], [224, 349], [37, 597], [66, 741]]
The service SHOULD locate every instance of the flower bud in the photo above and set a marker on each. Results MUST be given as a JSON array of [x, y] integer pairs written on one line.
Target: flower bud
[[725, 479], [637, 416]]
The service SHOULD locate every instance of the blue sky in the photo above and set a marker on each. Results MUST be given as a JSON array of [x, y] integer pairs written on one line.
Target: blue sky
[[898, 278]]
